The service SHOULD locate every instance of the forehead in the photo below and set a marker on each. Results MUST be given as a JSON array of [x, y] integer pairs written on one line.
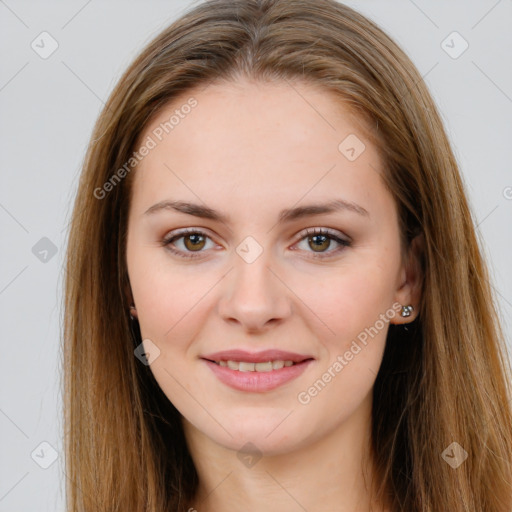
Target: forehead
[[271, 142]]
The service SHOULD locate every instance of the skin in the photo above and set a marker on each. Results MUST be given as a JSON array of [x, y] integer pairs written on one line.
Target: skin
[[250, 150]]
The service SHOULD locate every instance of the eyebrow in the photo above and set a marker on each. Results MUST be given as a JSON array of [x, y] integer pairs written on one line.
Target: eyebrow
[[286, 215]]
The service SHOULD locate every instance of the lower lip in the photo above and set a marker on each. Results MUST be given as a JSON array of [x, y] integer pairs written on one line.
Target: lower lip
[[257, 382]]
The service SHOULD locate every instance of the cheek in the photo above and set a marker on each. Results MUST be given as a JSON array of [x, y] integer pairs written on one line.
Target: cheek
[[349, 299], [356, 306], [169, 300]]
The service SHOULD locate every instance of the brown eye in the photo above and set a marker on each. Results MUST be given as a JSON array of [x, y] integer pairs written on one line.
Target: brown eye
[[194, 242], [319, 242], [188, 244]]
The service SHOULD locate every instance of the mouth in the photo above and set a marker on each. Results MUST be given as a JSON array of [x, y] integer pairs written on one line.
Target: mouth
[[246, 366], [256, 372]]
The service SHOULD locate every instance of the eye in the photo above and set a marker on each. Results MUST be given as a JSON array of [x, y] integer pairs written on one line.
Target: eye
[[319, 239], [194, 240]]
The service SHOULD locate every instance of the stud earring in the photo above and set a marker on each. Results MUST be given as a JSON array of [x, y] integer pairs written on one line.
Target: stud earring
[[135, 328], [406, 311]]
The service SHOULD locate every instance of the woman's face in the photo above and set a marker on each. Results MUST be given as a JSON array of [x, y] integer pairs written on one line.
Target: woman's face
[[265, 179]]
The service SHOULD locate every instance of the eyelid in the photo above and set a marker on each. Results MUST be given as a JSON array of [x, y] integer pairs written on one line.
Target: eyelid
[[335, 235], [305, 232], [325, 231], [168, 240]]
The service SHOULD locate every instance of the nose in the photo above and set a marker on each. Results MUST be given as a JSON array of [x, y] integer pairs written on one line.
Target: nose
[[254, 296]]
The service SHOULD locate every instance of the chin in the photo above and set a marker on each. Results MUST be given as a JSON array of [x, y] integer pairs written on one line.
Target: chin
[[259, 444], [268, 436]]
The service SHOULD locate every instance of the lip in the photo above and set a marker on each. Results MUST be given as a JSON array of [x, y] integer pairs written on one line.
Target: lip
[[257, 382], [256, 357]]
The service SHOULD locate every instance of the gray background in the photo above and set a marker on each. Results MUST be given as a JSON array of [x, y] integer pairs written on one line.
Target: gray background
[[48, 108]]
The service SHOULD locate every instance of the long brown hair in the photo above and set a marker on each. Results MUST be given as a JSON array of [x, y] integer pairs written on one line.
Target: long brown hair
[[446, 380]]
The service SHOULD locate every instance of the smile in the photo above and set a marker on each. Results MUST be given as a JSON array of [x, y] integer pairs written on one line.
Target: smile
[[256, 377], [244, 366]]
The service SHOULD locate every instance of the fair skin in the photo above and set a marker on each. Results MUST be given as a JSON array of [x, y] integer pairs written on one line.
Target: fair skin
[[250, 150]]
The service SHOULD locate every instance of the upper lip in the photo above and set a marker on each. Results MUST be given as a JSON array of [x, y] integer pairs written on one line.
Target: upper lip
[[256, 357]]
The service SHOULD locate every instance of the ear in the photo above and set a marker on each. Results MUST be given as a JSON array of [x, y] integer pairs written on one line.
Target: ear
[[127, 290], [409, 290]]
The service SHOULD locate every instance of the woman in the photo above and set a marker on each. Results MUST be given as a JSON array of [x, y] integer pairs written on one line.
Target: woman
[[275, 297]]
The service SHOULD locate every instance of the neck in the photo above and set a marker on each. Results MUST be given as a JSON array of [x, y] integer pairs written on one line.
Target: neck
[[331, 473]]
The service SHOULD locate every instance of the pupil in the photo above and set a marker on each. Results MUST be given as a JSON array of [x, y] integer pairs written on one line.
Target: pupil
[[195, 241], [317, 243]]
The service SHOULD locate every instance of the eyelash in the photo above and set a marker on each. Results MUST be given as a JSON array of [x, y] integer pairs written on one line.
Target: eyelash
[[308, 233]]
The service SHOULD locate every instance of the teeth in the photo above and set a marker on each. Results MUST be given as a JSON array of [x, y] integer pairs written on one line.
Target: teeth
[[246, 367], [243, 366], [233, 365]]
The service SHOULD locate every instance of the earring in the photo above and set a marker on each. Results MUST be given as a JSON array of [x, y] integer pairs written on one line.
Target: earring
[[135, 328], [406, 311]]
